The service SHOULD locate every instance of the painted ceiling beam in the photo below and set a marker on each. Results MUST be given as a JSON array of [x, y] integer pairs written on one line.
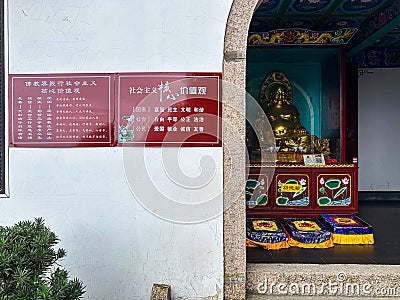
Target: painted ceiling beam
[[374, 37]]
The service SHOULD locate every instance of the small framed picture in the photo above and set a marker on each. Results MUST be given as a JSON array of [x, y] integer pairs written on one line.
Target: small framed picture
[[319, 159], [308, 159]]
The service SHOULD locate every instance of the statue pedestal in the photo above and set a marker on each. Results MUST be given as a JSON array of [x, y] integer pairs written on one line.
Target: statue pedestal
[[289, 157]]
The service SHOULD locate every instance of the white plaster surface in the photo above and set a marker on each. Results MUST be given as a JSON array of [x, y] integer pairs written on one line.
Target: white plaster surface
[[378, 129], [116, 36], [114, 244]]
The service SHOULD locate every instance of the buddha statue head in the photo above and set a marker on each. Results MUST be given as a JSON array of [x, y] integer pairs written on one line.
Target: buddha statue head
[[280, 97]]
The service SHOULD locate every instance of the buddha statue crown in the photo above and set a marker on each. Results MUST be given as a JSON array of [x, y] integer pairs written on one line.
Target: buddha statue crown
[[275, 88]]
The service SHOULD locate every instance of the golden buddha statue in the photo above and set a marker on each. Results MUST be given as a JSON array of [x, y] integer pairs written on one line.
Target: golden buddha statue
[[284, 117]]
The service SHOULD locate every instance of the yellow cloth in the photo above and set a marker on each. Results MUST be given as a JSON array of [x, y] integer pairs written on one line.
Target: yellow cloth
[[267, 246], [326, 244], [306, 225], [354, 239], [267, 225]]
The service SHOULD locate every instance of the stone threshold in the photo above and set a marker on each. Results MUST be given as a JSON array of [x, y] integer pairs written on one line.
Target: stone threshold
[[322, 281]]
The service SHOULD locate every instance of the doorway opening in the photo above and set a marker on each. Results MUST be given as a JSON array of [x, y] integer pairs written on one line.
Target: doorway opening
[[238, 272]]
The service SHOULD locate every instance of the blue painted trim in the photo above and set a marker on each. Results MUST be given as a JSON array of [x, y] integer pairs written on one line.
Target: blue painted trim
[[372, 38]]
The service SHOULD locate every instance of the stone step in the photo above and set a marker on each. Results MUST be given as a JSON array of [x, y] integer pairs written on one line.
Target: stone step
[[322, 281], [264, 297]]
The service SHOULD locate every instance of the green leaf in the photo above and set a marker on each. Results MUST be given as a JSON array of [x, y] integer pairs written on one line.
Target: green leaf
[[282, 200], [341, 191], [332, 183], [324, 201], [262, 199], [27, 258], [252, 183], [303, 188], [322, 190]]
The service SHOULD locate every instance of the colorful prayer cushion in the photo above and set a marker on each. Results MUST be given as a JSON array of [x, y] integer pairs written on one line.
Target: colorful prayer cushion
[[307, 233], [346, 224], [349, 229], [264, 232]]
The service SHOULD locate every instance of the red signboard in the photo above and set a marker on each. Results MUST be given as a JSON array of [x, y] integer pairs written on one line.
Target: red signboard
[[61, 110], [169, 109], [134, 109]]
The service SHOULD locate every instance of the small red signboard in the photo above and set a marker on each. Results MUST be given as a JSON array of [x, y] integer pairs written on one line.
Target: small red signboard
[[169, 109], [61, 110]]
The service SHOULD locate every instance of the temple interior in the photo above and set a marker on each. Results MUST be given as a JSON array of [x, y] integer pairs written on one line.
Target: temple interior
[[310, 193]]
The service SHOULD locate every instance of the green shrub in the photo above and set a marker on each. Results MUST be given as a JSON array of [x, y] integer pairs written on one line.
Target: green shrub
[[27, 264]]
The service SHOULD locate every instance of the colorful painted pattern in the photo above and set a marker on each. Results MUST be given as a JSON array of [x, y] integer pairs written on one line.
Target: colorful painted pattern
[[300, 23], [352, 225], [310, 6], [334, 189], [259, 230], [268, 6], [377, 21], [340, 23], [268, 225], [370, 17], [345, 221], [359, 6], [292, 190], [301, 36], [256, 190], [318, 234], [378, 57], [316, 14], [306, 225]]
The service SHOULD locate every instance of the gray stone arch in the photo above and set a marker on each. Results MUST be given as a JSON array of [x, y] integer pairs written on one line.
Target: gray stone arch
[[3, 141], [234, 218], [234, 111]]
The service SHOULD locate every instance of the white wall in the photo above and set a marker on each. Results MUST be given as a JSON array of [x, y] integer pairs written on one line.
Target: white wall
[[114, 244], [379, 129]]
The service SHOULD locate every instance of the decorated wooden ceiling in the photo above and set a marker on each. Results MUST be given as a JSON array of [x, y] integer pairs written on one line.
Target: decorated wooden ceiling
[[371, 27]]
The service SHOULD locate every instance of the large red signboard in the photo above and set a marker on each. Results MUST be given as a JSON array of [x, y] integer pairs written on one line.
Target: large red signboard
[[170, 109], [134, 109], [61, 110]]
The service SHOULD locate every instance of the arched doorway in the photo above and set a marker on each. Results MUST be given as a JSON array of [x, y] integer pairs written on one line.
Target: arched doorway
[[236, 273], [234, 111]]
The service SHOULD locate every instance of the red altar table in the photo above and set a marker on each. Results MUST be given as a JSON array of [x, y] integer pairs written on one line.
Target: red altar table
[[301, 191]]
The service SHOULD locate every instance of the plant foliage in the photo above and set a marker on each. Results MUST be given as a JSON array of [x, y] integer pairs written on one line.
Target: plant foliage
[[27, 264]]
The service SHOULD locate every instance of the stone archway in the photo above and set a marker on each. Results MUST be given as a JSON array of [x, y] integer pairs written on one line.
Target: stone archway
[[234, 72], [234, 108]]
